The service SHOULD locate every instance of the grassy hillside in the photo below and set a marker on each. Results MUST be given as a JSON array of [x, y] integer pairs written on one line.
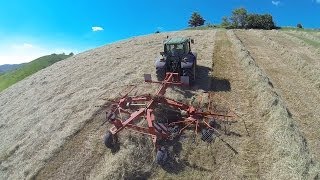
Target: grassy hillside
[[28, 69]]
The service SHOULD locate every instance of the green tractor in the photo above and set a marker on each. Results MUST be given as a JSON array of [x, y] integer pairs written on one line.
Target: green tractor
[[177, 57]]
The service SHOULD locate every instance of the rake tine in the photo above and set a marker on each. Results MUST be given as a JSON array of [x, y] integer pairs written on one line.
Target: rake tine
[[229, 146], [225, 142], [119, 113]]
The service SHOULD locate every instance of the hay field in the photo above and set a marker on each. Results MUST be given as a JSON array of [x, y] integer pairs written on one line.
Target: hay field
[[50, 126]]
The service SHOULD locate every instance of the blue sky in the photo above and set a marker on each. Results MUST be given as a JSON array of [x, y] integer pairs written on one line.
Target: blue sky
[[32, 28]]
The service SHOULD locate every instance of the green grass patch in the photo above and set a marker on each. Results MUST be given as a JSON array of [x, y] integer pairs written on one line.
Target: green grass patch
[[28, 69]]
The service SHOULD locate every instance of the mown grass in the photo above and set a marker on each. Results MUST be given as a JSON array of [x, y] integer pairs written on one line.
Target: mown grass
[[298, 29], [308, 41], [12, 77]]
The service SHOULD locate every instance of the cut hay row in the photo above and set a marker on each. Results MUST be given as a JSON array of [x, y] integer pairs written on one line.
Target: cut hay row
[[286, 150], [314, 36], [310, 42], [306, 63]]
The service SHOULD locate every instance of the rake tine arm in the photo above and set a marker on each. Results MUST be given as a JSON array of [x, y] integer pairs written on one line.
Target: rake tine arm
[[119, 111], [175, 103], [124, 111], [226, 143], [179, 122], [133, 117], [222, 120], [213, 114], [236, 114], [141, 98], [143, 130], [104, 122], [182, 129], [109, 117], [132, 88], [244, 123]]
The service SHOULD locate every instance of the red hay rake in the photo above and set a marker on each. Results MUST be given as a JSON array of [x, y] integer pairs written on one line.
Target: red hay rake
[[162, 118]]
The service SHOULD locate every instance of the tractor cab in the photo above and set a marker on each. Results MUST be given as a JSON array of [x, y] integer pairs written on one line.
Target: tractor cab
[[176, 47], [177, 58]]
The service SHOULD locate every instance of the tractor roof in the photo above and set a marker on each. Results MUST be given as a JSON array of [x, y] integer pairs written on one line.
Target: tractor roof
[[176, 40]]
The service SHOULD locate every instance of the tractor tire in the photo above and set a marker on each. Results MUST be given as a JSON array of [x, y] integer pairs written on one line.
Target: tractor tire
[[194, 54], [162, 156], [189, 72], [161, 73], [109, 140]]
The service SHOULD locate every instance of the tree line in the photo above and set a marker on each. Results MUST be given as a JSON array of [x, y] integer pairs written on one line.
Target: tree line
[[240, 18]]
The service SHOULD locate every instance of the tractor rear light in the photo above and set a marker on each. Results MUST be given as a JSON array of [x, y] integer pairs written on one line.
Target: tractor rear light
[[147, 77], [185, 80]]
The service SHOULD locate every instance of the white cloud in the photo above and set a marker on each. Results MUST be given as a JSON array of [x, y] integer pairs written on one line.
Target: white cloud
[[276, 3], [97, 28], [160, 28], [22, 46]]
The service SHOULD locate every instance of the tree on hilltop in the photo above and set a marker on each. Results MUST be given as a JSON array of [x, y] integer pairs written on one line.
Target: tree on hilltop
[[257, 21], [196, 20], [238, 17], [225, 22]]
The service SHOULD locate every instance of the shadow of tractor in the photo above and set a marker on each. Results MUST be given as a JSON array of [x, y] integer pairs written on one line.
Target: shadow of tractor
[[219, 84], [205, 82]]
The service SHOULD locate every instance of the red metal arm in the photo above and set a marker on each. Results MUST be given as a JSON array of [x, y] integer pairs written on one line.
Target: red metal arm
[[134, 116]]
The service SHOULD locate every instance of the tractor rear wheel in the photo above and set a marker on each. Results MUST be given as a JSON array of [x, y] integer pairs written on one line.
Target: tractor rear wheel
[[109, 140], [189, 72], [161, 73]]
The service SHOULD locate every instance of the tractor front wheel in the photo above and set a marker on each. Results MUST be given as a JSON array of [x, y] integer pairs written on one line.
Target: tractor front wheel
[[161, 73]]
